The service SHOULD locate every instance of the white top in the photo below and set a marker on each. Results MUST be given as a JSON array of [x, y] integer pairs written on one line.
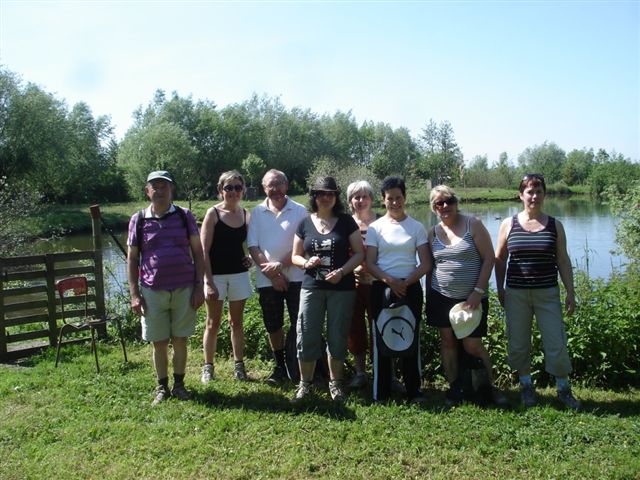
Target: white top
[[397, 244], [273, 235]]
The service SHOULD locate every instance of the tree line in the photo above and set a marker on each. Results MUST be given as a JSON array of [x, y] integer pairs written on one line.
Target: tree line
[[66, 155]]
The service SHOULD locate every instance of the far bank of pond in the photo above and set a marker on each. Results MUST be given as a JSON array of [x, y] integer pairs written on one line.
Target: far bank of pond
[[589, 225]]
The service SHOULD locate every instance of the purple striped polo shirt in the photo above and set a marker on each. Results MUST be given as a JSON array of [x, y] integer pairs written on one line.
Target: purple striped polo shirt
[[166, 262]]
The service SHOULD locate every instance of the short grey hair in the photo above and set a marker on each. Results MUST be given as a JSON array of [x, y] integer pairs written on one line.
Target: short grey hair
[[357, 187], [275, 173]]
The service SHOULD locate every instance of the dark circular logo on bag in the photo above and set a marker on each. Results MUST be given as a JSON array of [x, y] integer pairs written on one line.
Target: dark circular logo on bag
[[396, 331]]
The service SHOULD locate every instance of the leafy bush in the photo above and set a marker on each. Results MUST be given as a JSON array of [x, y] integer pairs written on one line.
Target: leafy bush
[[603, 336], [255, 334]]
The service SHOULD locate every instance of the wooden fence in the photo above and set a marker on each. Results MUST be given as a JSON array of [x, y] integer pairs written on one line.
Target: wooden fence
[[29, 308]]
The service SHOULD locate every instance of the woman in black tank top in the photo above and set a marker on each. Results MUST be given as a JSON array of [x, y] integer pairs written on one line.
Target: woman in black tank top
[[224, 231]]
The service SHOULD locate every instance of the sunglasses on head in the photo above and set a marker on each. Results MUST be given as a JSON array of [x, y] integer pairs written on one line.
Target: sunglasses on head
[[231, 188], [448, 201], [533, 176]]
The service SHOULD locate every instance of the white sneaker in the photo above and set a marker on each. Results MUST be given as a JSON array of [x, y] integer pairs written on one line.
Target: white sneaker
[[303, 390], [337, 392], [207, 373]]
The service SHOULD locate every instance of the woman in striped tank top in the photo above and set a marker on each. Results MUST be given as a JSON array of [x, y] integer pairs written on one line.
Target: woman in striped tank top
[[535, 246], [463, 260]]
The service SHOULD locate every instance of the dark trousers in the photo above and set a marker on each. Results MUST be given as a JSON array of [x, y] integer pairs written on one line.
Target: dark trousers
[[410, 366]]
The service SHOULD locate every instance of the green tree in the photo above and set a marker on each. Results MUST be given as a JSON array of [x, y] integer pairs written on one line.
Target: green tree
[[547, 159], [17, 203], [626, 206], [503, 173], [441, 159], [477, 174], [160, 146], [254, 168], [578, 166], [615, 174]]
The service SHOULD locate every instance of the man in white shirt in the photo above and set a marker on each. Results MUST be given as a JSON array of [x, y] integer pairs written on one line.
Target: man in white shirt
[[270, 240]]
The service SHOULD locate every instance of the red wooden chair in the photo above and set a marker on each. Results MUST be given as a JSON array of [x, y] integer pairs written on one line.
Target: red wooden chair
[[79, 288]]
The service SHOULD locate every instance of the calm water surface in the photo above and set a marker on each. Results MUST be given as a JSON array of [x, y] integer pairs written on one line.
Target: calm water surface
[[590, 233]]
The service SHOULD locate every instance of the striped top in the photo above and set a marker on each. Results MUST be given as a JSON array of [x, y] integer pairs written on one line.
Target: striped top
[[532, 256], [456, 268], [165, 262]]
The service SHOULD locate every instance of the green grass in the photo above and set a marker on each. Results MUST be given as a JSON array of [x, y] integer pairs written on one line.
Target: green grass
[[69, 422]]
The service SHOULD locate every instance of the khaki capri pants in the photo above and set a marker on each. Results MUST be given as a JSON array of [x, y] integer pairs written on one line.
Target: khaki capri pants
[[521, 305]]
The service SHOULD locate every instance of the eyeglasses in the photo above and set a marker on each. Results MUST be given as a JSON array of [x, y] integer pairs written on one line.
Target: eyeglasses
[[274, 185], [448, 201], [231, 188]]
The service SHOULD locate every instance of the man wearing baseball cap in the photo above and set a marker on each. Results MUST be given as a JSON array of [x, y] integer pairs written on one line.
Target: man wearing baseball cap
[[165, 271]]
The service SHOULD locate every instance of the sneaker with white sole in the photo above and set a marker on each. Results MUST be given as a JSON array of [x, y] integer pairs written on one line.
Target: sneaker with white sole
[[239, 373], [207, 373], [567, 399], [303, 390], [528, 396], [336, 390], [162, 393]]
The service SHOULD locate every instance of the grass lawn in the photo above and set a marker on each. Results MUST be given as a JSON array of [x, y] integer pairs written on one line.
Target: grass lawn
[[71, 423]]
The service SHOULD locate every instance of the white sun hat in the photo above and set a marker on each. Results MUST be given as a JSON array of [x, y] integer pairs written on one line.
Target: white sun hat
[[464, 321]]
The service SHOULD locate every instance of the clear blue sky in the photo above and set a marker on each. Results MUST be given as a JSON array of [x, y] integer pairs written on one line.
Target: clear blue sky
[[507, 75]]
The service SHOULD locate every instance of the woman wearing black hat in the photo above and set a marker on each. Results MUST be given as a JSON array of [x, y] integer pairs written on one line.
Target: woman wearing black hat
[[328, 246]]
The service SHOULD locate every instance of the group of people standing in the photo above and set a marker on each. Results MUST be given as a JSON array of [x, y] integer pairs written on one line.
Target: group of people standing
[[335, 272]]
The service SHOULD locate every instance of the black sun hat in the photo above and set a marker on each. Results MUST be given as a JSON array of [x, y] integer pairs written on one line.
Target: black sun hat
[[324, 184]]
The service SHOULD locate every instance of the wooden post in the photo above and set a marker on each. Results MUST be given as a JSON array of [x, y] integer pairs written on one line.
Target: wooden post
[[3, 333], [49, 261], [97, 259]]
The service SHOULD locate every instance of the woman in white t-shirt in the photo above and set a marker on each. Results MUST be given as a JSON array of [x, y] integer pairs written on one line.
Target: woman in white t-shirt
[[397, 257]]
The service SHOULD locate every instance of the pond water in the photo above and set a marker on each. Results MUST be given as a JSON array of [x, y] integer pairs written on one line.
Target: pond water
[[589, 225]]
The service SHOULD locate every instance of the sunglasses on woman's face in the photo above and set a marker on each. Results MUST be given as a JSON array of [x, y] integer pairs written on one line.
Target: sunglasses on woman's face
[[231, 188], [448, 201]]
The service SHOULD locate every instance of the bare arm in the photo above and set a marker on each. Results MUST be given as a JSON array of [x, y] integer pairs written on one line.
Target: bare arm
[[565, 268], [137, 302], [424, 267], [298, 257], [272, 270], [197, 297], [482, 240], [501, 257], [355, 242]]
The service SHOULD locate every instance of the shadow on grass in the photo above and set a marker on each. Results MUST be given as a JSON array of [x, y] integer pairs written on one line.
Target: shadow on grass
[[599, 408], [274, 402]]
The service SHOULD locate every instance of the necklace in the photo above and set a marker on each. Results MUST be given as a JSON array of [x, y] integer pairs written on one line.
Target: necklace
[[325, 226]]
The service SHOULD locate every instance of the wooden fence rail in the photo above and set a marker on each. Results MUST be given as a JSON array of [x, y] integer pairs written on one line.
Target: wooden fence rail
[[30, 316]]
